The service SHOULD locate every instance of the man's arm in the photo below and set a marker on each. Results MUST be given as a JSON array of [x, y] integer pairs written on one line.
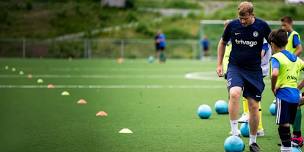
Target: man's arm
[[297, 42], [301, 85], [298, 50], [266, 32], [220, 55]]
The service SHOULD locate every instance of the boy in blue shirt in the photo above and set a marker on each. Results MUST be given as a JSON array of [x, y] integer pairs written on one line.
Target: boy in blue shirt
[[286, 69]]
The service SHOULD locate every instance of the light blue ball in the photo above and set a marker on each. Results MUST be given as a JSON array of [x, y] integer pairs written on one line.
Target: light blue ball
[[204, 111], [151, 59], [272, 109], [244, 129], [221, 107], [234, 144], [296, 149]]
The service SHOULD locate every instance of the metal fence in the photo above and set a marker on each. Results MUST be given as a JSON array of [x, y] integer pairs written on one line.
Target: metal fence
[[95, 48]]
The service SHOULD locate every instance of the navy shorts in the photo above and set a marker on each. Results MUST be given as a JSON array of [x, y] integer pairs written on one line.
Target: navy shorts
[[250, 81], [286, 112], [159, 48]]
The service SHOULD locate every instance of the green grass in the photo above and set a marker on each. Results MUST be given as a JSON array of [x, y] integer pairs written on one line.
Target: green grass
[[162, 119]]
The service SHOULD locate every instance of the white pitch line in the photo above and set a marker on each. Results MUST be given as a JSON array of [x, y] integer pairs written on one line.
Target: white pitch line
[[114, 86], [122, 69], [104, 76], [197, 76]]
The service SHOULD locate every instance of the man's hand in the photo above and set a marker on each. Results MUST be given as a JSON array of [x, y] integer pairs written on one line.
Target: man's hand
[[219, 70]]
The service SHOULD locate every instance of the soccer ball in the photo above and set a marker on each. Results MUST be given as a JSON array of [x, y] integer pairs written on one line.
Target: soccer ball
[[204, 111], [296, 149], [272, 109], [234, 144], [151, 59], [221, 107], [245, 129]]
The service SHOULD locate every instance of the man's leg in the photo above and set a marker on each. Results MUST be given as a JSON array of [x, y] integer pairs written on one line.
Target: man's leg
[[254, 119], [234, 94], [245, 116]]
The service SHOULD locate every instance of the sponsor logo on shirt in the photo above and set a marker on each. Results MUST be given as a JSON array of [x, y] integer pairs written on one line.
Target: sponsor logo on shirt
[[249, 43], [255, 34]]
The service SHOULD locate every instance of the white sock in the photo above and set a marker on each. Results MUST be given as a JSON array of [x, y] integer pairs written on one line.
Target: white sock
[[285, 149], [252, 139], [234, 127]]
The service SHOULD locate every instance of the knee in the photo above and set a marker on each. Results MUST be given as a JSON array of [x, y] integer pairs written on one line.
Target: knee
[[235, 95], [254, 106]]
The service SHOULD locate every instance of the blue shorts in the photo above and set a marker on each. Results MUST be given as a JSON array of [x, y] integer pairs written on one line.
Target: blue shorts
[[286, 112], [251, 81]]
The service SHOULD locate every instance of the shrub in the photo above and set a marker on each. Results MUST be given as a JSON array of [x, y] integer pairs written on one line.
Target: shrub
[[131, 17], [144, 29], [177, 33]]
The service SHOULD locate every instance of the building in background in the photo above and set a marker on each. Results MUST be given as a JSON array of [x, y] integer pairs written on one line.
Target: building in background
[[114, 3]]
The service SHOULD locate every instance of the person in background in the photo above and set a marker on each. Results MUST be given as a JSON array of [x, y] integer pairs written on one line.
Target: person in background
[[160, 45], [205, 46]]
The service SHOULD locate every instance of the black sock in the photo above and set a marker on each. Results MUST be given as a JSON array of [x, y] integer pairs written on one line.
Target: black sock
[[284, 133], [297, 134]]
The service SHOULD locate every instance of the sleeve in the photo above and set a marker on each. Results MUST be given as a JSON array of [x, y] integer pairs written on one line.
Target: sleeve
[[265, 47], [275, 64], [227, 33], [296, 41], [266, 32]]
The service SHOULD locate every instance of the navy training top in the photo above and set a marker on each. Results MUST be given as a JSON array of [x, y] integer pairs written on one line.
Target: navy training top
[[247, 43]]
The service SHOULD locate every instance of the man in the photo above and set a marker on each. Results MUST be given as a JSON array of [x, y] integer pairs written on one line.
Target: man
[[295, 47], [265, 55], [244, 72], [205, 45], [160, 45], [286, 69]]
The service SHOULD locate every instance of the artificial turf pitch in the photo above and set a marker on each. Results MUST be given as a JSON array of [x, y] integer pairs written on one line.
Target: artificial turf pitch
[[155, 101]]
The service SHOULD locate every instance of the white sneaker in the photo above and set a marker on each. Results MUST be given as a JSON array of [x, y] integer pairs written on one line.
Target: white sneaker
[[244, 118], [238, 133], [260, 133], [286, 149]]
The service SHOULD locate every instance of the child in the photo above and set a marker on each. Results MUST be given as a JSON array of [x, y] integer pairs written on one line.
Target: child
[[286, 69]]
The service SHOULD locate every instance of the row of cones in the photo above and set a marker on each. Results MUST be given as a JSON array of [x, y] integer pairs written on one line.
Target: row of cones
[[99, 113], [13, 69], [80, 102]]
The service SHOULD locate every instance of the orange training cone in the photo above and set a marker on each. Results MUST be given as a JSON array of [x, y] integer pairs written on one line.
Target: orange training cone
[[101, 114], [82, 102]]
